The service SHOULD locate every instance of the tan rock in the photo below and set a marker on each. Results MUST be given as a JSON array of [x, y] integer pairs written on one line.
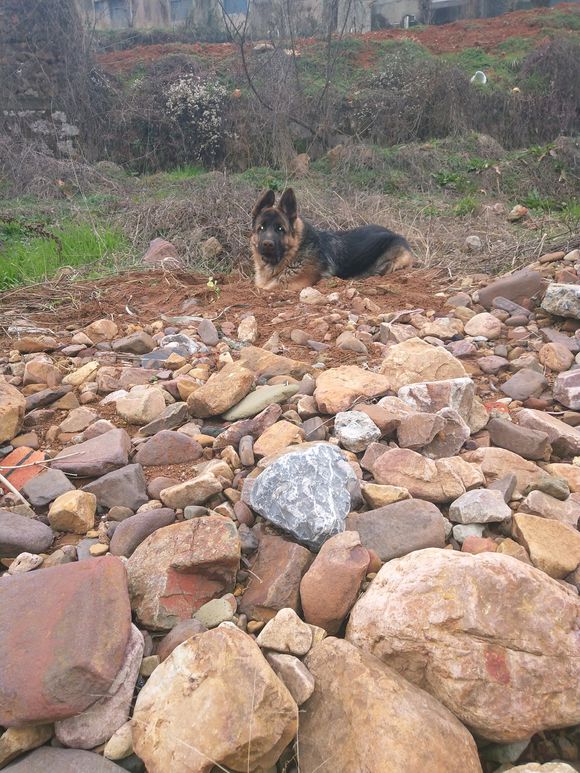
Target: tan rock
[[286, 633], [248, 330], [120, 744], [515, 627], [554, 547], [222, 703], [331, 585], [41, 370], [402, 728], [192, 492], [443, 328], [376, 495], [278, 437], [293, 674], [17, 740], [337, 389], [511, 548], [484, 324], [31, 344], [569, 472], [12, 406], [442, 480], [498, 462], [266, 364], [221, 391], [101, 330], [73, 511], [82, 374], [141, 407], [556, 357], [416, 361]]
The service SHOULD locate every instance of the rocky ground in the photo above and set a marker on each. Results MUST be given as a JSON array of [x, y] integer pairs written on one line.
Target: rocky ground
[[318, 534]]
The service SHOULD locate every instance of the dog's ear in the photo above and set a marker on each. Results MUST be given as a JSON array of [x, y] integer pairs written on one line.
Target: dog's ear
[[267, 199], [288, 205]]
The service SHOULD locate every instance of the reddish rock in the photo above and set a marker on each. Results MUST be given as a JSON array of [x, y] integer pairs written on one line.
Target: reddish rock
[[182, 632], [275, 581], [180, 567], [167, 447], [473, 544], [330, 587], [63, 636], [162, 253], [529, 443], [516, 287], [248, 427], [124, 488], [567, 389], [565, 440], [24, 470], [95, 457]]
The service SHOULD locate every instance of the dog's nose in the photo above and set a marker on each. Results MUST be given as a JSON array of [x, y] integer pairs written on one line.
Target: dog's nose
[[268, 245]]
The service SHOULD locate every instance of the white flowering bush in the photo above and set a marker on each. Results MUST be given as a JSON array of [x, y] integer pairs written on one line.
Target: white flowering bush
[[197, 107]]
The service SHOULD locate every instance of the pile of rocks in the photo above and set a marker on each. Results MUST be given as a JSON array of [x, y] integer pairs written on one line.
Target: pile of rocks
[[218, 557]]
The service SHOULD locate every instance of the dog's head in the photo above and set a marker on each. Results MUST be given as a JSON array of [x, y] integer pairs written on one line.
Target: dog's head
[[273, 228]]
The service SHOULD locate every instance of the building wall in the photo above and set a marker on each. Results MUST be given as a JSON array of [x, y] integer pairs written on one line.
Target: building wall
[[391, 12]]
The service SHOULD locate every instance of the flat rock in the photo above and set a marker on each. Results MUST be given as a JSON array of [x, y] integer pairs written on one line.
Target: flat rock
[[73, 605], [171, 417], [167, 447], [12, 407], [277, 570], [278, 437], [430, 397], [191, 492], [15, 741], [248, 427], [221, 391], [450, 439], [48, 760], [539, 503], [525, 441], [126, 487], [95, 457], [439, 481], [501, 614], [180, 567], [46, 397], [141, 407], [549, 767], [415, 361], [524, 384], [479, 506], [517, 287], [337, 389], [259, 399], [395, 530], [133, 530], [293, 674], [265, 364], [18, 533], [562, 300], [496, 463], [205, 691], [306, 493], [331, 585], [135, 343], [554, 547], [337, 737], [97, 724], [46, 487], [565, 439]]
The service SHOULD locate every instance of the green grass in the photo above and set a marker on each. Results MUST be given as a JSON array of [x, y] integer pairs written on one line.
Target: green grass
[[185, 172], [465, 206], [27, 256]]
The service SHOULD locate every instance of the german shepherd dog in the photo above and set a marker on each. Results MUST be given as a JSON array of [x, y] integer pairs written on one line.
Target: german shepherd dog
[[291, 253]]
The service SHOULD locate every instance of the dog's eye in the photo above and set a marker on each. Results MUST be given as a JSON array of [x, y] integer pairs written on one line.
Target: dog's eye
[[260, 228], [280, 229]]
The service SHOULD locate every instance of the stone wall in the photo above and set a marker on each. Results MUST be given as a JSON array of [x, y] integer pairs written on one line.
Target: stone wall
[[38, 48]]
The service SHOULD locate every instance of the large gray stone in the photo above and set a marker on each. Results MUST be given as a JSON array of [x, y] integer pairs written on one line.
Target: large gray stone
[[395, 530], [97, 456], [48, 760], [19, 533], [46, 487], [122, 488], [306, 493], [562, 300], [479, 506], [517, 287], [167, 447], [355, 430], [172, 417], [524, 384]]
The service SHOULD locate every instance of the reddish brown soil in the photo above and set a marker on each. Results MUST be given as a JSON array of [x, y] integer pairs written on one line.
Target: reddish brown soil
[[440, 39]]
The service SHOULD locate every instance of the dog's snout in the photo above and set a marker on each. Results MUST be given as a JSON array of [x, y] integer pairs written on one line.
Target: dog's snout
[[268, 245]]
